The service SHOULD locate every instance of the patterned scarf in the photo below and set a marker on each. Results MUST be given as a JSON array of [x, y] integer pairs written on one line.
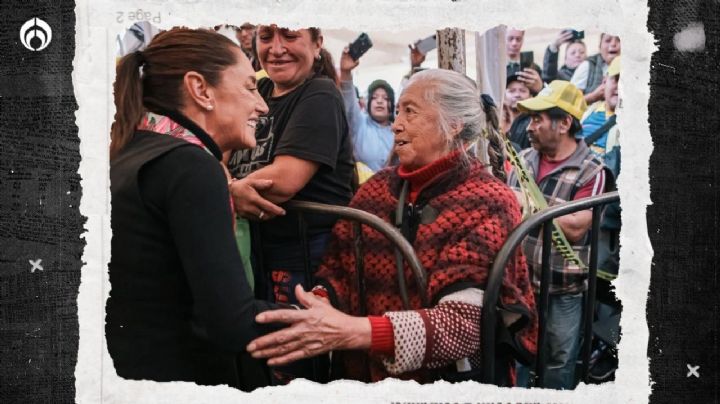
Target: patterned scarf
[[164, 125]]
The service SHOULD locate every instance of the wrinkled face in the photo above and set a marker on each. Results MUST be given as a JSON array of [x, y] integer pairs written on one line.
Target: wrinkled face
[[237, 106], [513, 43], [418, 138], [575, 54], [380, 106], [544, 136], [287, 56], [245, 36], [611, 92], [514, 92], [609, 47]]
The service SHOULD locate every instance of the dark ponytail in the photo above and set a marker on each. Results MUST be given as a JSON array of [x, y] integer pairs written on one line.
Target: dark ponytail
[[128, 101], [324, 66], [165, 61]]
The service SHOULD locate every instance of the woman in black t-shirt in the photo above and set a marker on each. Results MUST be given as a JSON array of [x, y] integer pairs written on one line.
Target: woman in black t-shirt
[[304, 149]]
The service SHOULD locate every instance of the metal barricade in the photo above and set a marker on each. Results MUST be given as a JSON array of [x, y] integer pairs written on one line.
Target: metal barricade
[[359, 218], [492, 291]]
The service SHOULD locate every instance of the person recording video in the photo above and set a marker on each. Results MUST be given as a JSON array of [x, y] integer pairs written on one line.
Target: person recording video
[[370, 130], [575, 54], [527, 72]]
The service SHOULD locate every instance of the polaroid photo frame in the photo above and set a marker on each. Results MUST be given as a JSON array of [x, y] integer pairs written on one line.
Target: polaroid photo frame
[[98, 23]]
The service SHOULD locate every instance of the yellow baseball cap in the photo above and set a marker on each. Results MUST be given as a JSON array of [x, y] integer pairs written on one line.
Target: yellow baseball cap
[[559, 93], [614, 68]]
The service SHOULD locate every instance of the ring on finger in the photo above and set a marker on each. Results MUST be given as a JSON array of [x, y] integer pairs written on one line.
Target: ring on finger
[[261, 214]]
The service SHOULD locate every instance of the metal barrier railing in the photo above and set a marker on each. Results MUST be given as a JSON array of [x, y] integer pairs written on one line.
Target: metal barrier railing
[[359, 218], [492, 291]]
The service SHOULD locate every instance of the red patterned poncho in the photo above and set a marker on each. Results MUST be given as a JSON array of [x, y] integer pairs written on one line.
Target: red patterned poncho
[[476, 213]]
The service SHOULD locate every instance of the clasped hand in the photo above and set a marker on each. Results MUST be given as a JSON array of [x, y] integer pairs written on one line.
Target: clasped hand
[[249, 204]]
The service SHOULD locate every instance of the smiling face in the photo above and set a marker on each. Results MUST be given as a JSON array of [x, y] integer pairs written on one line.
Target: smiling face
[[609, 47], [418, 138], [237, 106], [379, 107], [287, 56], [575, 54]]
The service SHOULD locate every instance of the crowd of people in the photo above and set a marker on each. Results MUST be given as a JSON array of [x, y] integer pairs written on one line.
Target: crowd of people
[[217, 128]]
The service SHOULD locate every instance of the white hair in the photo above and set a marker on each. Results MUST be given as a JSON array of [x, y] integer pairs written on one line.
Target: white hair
[[458, 101]]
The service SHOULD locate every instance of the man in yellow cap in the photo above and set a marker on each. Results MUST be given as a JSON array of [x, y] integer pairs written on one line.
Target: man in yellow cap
[[563, 169]]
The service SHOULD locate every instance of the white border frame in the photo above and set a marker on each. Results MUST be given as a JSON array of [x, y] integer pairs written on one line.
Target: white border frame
[[96, 27]]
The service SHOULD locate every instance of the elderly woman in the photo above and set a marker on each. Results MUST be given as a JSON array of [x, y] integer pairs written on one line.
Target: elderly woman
[[458, 214], [180, 307]]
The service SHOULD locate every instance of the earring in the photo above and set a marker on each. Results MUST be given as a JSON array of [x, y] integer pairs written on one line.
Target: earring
[[318, 57], [209, 107]]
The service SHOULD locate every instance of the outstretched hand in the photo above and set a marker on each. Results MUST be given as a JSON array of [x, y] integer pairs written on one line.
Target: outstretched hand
[[314, 331]]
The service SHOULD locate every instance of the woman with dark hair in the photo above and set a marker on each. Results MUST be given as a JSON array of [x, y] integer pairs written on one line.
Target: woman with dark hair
[[305, 150], [180, 307], [457, 215]]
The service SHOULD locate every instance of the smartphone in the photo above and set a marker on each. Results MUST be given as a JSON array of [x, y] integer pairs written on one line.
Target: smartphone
[[361, 45], [577, 34], [526, 59], [427, 44]]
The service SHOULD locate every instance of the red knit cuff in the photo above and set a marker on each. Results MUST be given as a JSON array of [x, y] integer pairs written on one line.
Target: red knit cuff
[[382, 340]]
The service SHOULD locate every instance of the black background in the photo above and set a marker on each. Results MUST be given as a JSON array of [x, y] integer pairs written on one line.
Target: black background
[[683, 220], [40, 195]]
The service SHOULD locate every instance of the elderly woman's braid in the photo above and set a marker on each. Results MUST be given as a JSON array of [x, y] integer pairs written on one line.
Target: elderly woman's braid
[[496, 150]]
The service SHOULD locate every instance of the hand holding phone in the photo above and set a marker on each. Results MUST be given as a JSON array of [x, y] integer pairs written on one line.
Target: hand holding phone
[[577, 35], [361, 45], [425, 45], [526, 59]]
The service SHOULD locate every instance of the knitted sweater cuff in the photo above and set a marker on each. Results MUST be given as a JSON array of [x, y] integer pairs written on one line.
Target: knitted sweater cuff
[[382, 340]]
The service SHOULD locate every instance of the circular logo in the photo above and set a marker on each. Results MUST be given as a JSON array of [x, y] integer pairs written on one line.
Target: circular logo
[[35, 34]]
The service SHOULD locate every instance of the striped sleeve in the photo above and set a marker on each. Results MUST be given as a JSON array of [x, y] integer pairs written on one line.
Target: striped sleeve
[[436, 337]]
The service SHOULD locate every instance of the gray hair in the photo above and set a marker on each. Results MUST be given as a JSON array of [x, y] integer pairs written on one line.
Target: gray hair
[[458, 101]]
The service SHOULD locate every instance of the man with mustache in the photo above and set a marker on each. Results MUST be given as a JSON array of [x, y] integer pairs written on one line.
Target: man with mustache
[[564, 169]]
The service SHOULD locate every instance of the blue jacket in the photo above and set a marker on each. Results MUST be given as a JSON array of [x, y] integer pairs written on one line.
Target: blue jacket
[[372, 142]]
